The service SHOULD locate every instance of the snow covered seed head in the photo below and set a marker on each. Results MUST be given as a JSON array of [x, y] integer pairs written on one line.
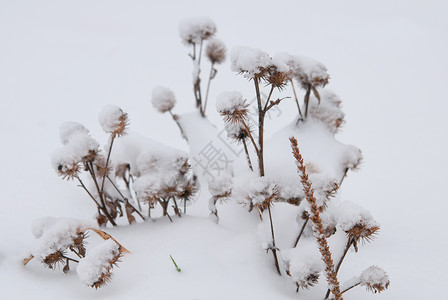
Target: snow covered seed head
[[236, 131], [262, 191], [216, 51], [163, 99], [357, 223], [221, 187], [113, 120], [232, 107], [195, 30], [68, 129], [374, 279], [249, 61], [95, 269]]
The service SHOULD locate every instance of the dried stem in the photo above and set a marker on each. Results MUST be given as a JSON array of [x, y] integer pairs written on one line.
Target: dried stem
[[175, 118], [307, 100], [338, 265], [318, 227], [125, 199], [295, 97], [274, 249], [210, 77], [301, 231], [247, 155], [107, 161], [350, 287]]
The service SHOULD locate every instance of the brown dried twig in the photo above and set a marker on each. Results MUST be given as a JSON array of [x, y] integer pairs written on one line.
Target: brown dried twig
[[318, 227]]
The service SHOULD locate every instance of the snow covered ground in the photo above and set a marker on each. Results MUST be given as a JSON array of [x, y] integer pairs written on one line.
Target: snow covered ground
[[63, 61]]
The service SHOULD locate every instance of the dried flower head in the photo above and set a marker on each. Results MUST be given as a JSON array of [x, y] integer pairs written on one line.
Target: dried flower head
[[250, 61], [236, 131], [113, 120], [374, 279], [262, 192], [163, 99], [52, 260], [216, 51], [96, 268], [232, 107], [196, 30]]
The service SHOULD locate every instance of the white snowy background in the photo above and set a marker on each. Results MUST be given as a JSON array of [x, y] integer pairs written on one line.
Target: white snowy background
[[64, 60]]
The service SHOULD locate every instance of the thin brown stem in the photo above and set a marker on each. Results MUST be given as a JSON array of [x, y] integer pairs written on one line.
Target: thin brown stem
[[124, 198], [71, 259], [350, 287], [301, 231], [338, 265], [295, 97], [274, 249], [260, 127], [307, 100], [210, 77], [107, 161], [250, 136], [247, 155], [175, 118], [269, 98], [88, 192], [343, 176], [100, 194]]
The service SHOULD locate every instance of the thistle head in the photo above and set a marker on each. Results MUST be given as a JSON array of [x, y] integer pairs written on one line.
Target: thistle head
[[232, 107], [113, 120], [216, 51], [163, 99], [374, 279]]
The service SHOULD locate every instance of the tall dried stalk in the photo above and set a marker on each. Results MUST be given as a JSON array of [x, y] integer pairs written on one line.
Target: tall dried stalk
[[318, 227]]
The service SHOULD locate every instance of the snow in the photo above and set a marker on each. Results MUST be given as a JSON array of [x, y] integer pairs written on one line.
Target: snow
[[97, 262], [110, 118], [194, 30], [68, 129], [249, 61], [163, 99], [228, 102]]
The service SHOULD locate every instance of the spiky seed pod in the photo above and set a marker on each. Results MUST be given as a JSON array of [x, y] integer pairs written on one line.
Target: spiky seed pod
[[53, 259], [308, 282], [113, 120], [263, 192], [103, 168], [96, 268], [361, 232], [374, 279], [276, 78], [232, 107], [78, 245], [69, 171], [216, 51]]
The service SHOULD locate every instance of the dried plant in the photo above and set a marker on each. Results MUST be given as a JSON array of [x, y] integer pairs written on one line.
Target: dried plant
[[194, 32], [324, 249], [59, 237], [81, 154]]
